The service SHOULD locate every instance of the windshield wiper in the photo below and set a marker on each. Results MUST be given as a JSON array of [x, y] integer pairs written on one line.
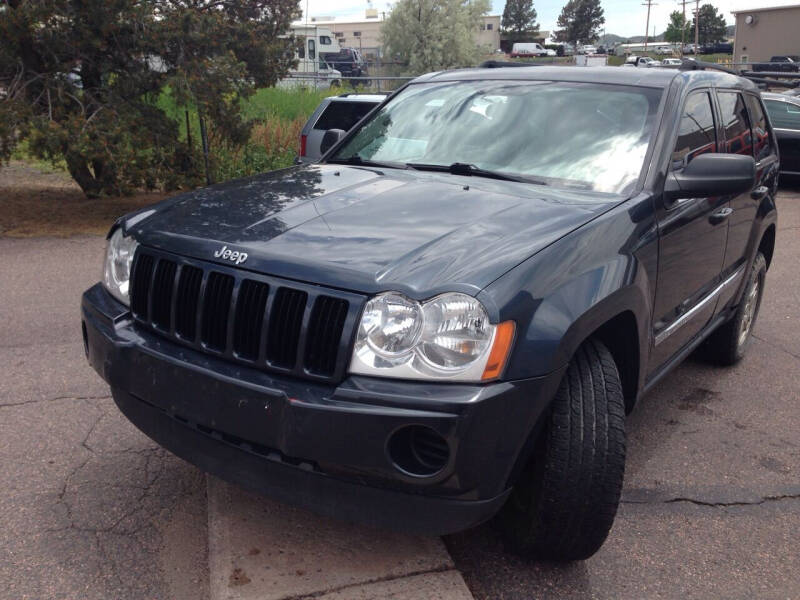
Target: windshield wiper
[[458, 168], [363, 162]]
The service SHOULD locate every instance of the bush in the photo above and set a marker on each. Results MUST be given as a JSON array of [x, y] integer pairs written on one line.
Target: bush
[[272, 145]]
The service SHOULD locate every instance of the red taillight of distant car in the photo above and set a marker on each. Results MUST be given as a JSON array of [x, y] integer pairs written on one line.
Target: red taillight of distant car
[[302, 145]]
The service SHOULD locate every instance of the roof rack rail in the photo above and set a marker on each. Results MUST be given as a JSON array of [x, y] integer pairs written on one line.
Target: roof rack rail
[[766, 79], [497, 64], [690, 64], [366, 93]]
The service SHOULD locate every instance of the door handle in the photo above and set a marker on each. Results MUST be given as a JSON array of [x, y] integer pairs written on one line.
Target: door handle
[[759, 192], [720, 215]]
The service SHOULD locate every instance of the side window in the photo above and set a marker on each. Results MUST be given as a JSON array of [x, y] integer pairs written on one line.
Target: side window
[[736, 123], [324, 40], [312, 49], [784, 115], [762, 144], [697, 134], [301, 50]]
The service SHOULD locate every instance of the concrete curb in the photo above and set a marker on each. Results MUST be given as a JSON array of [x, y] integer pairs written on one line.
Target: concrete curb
[[260, 549]]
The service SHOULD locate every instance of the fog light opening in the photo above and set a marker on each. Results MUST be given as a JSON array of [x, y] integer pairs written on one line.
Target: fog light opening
[[418, 450]]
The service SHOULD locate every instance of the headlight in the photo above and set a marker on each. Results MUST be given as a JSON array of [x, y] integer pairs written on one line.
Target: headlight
[[446, 338], [117, 271]]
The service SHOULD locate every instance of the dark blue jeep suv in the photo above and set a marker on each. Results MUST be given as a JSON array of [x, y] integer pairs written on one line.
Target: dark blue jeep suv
[[449, 316]]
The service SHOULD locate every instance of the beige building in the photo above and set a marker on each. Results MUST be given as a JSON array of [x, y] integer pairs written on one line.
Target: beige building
[[365, 34], [489, 34], [765, 32]]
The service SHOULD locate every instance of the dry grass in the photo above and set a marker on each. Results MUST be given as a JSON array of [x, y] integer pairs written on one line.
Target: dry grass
[[36, 202], [278, 135]]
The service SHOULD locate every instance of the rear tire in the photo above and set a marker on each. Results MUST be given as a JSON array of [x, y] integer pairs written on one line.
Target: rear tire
[[728, 344], [564, 505]]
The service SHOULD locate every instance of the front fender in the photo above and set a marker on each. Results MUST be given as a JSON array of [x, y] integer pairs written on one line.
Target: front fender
[[562, 295]]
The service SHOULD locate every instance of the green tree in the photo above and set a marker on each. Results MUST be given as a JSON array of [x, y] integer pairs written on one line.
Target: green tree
[[711, 26], [430, 35], [519, 20], [677, 27], [580, 21], [81, 80]]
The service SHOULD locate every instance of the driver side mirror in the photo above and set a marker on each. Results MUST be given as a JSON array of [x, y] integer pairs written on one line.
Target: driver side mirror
[[713, 174], [330, 139]]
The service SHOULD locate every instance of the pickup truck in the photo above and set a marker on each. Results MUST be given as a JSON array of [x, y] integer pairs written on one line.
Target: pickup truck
[[433, 325], [787, 64], [641, 61]]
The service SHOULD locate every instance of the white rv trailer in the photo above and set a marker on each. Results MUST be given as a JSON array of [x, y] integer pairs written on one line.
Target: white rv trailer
[[312, 70]]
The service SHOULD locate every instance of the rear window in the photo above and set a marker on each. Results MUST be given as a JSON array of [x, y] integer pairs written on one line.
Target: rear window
[[736, 123], [343, 115], [762, 147]]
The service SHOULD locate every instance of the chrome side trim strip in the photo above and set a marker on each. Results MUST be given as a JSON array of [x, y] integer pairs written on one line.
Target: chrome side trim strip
[[685, 317]]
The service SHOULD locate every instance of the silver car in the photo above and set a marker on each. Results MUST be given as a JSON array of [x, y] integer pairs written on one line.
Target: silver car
[[335, 112]]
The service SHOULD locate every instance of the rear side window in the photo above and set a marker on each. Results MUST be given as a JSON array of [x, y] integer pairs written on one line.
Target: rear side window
[[343, 115], [762, 145], [736, 123], [784, 115], [697, 134]]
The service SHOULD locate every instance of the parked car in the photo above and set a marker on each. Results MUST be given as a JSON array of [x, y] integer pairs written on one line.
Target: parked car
[[641, 61], [433, 325], [689, 49], [671, 62], [664, 50], [787, 64], [716, 48], [334, 112], [784, 113], [588, 49], [351, 64], [520, 49]]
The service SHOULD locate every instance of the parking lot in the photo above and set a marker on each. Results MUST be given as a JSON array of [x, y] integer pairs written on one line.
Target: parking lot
[[90, 508]]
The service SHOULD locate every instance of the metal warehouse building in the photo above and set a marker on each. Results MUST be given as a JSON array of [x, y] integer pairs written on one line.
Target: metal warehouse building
[[765, 32]]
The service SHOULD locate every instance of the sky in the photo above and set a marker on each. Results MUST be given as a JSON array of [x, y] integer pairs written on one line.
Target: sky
[[623, 17]]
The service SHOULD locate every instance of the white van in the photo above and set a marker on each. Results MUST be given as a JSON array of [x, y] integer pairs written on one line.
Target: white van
[[530, 49], [312, 70]]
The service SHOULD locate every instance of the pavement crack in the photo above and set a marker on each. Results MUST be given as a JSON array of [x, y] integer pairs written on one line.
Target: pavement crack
[[54, 399], [716, 504], [776, 346], [439, 569]]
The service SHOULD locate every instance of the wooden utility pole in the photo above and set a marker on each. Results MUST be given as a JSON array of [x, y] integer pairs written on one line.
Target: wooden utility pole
[[648, 4], [696, 26], [683, 27]]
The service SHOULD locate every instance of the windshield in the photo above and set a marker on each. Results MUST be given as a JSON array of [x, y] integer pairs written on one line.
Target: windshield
[[579, 135]]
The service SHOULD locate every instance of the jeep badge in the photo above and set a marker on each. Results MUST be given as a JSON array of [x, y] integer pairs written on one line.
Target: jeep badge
[[234, 256]]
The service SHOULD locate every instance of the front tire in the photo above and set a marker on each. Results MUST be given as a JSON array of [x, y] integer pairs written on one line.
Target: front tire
[[728, 344], [565, 504]]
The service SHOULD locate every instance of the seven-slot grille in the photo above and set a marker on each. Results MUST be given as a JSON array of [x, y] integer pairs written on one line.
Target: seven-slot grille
[[274, 324]]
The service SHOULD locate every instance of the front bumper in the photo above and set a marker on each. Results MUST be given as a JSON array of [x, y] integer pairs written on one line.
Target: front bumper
[[323, 447]]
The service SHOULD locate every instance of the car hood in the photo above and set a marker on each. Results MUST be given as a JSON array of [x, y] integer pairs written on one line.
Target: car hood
[[369, 229]]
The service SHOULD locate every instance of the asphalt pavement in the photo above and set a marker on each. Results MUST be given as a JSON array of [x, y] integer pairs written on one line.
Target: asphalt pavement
[[711, 500], [90, 508]]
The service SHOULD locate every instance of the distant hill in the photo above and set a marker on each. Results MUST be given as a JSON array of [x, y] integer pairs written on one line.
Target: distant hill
[[611, 38], [634, 39]]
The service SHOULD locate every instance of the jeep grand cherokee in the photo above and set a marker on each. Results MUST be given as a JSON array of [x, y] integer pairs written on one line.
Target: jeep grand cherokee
[[449, 316]]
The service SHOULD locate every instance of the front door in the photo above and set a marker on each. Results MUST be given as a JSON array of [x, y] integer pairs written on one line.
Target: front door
[[692, 237]]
